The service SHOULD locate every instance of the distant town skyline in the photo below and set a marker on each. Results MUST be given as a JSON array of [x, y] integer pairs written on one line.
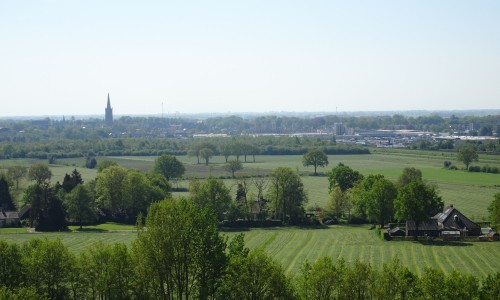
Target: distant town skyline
[[63, 58]]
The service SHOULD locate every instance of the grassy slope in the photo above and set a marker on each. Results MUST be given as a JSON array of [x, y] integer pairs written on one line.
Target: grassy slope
[[292, 246]]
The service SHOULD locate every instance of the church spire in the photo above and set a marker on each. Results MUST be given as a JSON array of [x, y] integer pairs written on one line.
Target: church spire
[[108, 113], [109, 103]]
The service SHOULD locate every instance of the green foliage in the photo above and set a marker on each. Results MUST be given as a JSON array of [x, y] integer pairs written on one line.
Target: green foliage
[[467, 154], [287, 195], [105, 272], [90, 162], [254, 276], [490, 287], [211, 193], [315, 158], [494, 212], [40, 173], [80, 205], [380, 201], [232, 166], [322, 280], [105, 164], [6, 202], [206, 154], [71, 181], [47, 212], [169, 166], [17, 173], [417, 201], [123, 193], [409, 174], [344, 177], [47, 266], [181, 253], [109, 189], [338, 203]]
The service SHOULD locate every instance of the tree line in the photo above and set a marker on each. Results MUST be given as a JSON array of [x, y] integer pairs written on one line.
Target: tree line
[[244, 147], [179, 253], [166, 127]]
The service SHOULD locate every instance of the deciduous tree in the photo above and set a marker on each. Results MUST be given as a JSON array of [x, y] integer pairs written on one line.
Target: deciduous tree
[[287, 195], [80, 205], [467, 154], [211, 193], [232, 166], [17, 173], [169, 166], [344, 177], [315, 158], [494, 212], [409, 174], [40, 173], [417, 201]]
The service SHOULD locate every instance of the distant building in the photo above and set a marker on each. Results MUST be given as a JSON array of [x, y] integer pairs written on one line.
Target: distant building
[[108, 113], [339, 129]]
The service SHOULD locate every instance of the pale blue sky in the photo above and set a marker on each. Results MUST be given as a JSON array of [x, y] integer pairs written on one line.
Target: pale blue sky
[[63, 57]]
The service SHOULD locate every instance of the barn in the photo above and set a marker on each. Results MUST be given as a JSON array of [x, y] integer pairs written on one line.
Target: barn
[[453, 220]]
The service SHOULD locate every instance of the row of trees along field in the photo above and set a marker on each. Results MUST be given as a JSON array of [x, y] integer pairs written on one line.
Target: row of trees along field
[[245, 147], [182, 255], [120, 194]]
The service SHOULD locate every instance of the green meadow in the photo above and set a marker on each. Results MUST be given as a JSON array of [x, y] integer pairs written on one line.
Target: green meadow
[[292, 246], [471, 193]]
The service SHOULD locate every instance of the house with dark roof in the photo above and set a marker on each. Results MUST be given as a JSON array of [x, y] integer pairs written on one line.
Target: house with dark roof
[[453, 220], [9, 218], [426, 228]]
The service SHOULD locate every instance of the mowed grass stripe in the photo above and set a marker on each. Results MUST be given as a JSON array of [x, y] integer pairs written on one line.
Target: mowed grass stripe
[[464, 255], [313, 249], [299, 252], [292, 246]]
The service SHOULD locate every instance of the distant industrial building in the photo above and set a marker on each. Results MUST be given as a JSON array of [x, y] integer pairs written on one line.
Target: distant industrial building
[[339, 129]]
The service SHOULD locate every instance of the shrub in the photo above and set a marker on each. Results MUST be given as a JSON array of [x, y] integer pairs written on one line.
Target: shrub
[[474, 169]]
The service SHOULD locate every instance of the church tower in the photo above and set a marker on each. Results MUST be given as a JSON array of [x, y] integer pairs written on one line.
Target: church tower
[[108, 117]]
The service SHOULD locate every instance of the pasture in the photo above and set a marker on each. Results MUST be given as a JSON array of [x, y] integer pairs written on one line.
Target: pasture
[[292, 246], [470, 192]]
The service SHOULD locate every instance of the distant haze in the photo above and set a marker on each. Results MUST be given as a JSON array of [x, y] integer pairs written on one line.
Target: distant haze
[[63, 57]]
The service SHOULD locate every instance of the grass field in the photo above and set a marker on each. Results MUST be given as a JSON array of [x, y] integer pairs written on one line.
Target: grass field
[[292, 246], [469, 192]]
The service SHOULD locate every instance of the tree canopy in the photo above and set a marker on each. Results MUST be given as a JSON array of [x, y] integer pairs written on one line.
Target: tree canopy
[[344, 177], [211, 193], [417, 201], [169, 166], [40, 173], [467, 154], [315, 158], [232, 166], [494, 212], [287, 195]]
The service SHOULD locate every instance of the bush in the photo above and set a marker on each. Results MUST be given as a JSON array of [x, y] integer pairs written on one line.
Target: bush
[[474, 169], [447, 164]]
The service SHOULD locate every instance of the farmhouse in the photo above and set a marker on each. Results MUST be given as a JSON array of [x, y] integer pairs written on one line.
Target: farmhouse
[[426, 228], [450, 224], [8, 218], [453, 220]]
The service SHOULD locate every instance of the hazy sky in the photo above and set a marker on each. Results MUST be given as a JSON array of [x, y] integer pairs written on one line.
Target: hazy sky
[[63, 57]]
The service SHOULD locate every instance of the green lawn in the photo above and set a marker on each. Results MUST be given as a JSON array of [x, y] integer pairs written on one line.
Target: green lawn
[[292, 246]]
